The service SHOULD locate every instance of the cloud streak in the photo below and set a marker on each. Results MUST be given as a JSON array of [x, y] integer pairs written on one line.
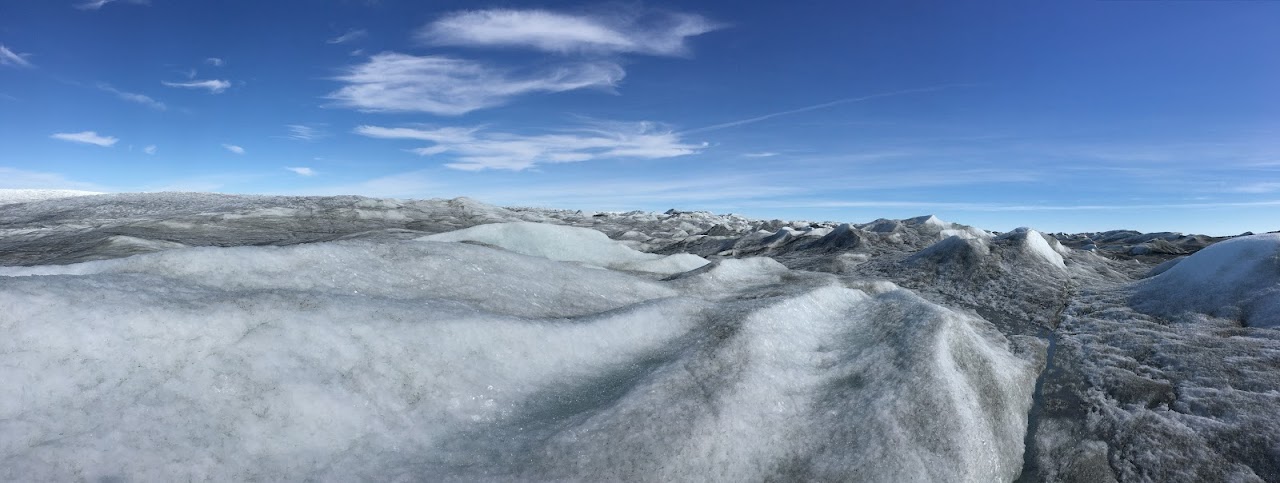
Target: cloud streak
[[351, 36], [233, 148], [837, 102], [11, 58], [394, 82], [13, 178], [1002, 207], [98, 4], [473, 149], [303, 132], [134, 98], [86, 137], [214, 86], [302, 171], [653, 34]]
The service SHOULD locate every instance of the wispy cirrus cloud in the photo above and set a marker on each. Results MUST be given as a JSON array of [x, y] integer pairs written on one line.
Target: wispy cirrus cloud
[[394, 82], [304, 132], [302, 170], [215, 61], [824, 105], [86, 137], [1258, 188], [214, 86], [14, 178], [473, 149], [762, 154], [150, 150], [11, 58], [1016, 207], [133, 97], [654, 33], [233, 148], [97, 4], [350, 36]]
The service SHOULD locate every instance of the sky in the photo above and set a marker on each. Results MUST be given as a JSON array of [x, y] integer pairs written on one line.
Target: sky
[[1063, 116]]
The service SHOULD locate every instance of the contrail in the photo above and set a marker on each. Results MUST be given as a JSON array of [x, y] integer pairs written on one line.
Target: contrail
[[715, 127]]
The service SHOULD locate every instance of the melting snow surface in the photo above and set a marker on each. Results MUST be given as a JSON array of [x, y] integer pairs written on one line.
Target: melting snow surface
[[408, 360]]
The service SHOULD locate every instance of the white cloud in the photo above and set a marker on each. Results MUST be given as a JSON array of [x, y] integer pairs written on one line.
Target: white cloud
[[215, 61], [302, 171], [150, 150], [303, 132], [765, 154], [215, 86], [9, 57], [473, 149], [233, 148], [351, 35], [657, 34], [136, 98], [86, 137], [447, 86]]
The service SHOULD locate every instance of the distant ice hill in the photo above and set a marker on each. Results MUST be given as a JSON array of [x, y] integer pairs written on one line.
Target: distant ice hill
[[8, 196], [183, 336]]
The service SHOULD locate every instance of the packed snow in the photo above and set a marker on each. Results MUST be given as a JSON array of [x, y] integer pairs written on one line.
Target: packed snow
[[190, 336]]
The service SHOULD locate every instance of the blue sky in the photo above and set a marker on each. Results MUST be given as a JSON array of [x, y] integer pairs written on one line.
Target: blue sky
[[1063, 116]]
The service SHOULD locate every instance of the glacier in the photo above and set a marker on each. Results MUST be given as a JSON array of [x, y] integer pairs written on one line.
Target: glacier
[[196, 336]]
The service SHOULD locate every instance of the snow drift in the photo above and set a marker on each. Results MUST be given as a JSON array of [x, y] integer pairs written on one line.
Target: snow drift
[[414, 360]]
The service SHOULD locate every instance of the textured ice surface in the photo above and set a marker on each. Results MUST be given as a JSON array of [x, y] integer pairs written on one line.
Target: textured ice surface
[[313, 338], [411, 360], [1237, 279]]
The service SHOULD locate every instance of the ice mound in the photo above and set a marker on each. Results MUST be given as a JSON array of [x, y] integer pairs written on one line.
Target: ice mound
[[570, 244], [1236, 279], [411, 361], [1038, 246]]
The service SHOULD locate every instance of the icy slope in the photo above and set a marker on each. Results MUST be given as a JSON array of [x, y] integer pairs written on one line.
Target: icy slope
[[398, 360]]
